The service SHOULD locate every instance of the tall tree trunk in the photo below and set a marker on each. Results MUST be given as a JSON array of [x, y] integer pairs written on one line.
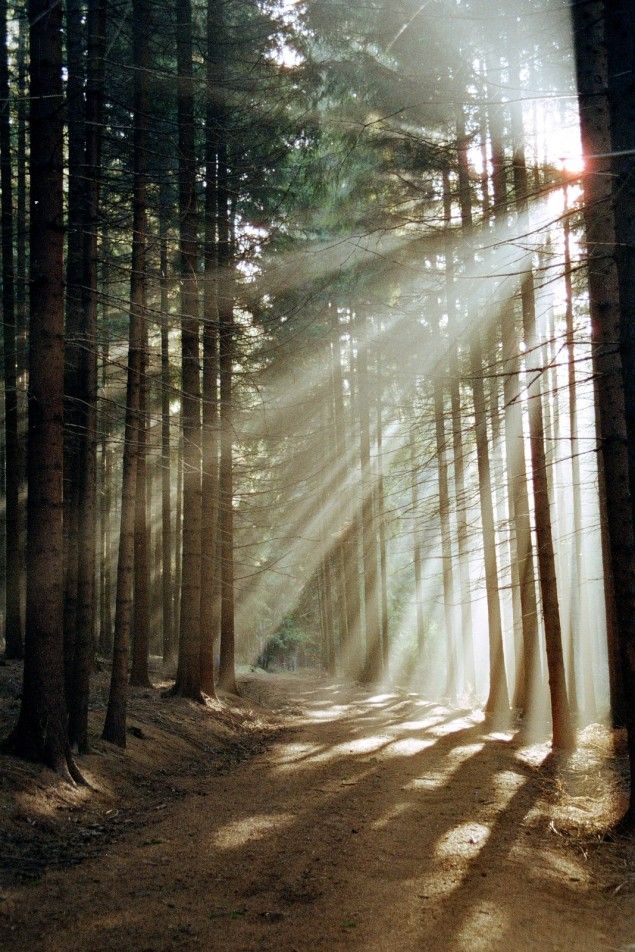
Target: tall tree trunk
[[73, 420], [592, 76], [417, 543], [139, 675], [502, 504], [209, 516], [381, 519], [14, 646], [227, 671], [562, 723], [372, 670], [619, 31], [452, 685], [497, 705], [21, 296], [467, 643], [521, 548], [166, 507], [105, 573], [178, 532], [575, 578], [188, 676], [115, 724], [21, 227], [340, 552], [106, 621], [87, 383], [40, 733]]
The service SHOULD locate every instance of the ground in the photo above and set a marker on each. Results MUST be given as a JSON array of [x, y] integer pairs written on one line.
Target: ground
[[338, 818]]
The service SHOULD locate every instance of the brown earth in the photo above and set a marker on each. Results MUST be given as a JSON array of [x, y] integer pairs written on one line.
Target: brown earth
[[373, 822]]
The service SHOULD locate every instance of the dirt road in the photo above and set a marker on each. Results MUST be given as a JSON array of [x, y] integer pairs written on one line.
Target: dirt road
[[378, 822]]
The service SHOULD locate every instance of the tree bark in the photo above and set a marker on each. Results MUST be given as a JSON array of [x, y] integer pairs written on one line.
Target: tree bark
[[381, 520], [115, 724], [521, 547], [209, 516], [227, 670], [466, 639], [188, 676], [14, 644], [105, 573], [166, 502], [452, 685], [497, 705], [563, 737], [340, 551], [592, 76], [73, 421], [372, 669], [139, 674], [417, 544], [86, 385], [40, 733]]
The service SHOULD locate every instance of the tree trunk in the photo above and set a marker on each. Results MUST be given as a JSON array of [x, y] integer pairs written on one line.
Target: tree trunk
[[466, 639], [417, 544], [21, 227], [178, 532], [563, 730], [452, 686], [209, 515], [73, 417], [619, 27], [139, 676], [592, 76], [166, 506], [227, 671], [14, 647], [340, 553], [497, 705], [40, 733], [188, 676], [115, 724], [383, 549], [521, 548], [575, 577], [105, 626], [21, 295], [372, 670], [87, 384]]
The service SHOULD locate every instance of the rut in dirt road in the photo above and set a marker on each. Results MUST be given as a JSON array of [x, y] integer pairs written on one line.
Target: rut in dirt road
[[379, 822]]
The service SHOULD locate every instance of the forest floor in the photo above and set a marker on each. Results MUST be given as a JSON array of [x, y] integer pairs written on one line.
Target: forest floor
[[335, 818]]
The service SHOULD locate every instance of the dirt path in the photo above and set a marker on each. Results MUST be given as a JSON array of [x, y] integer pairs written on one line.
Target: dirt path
[[378, 823]]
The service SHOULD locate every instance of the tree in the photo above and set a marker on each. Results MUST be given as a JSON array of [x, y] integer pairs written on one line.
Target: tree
[[210, 567], [595, 128], [13, 554], [497, 705], [115, 723], [85, 389], [226, 671], [40, 733], [188, 678]]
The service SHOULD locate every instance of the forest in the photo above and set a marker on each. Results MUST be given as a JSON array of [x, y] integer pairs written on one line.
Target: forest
[[317, 470]]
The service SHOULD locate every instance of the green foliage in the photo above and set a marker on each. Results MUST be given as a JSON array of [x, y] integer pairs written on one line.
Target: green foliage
[[290, 647]]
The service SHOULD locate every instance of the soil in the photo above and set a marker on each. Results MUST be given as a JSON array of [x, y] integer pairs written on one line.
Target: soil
[[317, 816]]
